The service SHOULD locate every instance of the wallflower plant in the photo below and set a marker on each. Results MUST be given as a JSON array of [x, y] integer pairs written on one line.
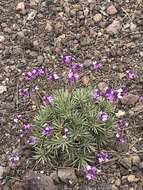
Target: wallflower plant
[[70, 131]]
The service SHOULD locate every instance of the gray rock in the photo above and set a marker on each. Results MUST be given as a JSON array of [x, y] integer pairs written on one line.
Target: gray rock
[[34, 181], [141, 165], [87, 62], [135, 160], [124, 187], [114, 27], [67, 175], [113, 187], [129, 99], [103, 86], [20, 34], [2, 171], [126, 162]]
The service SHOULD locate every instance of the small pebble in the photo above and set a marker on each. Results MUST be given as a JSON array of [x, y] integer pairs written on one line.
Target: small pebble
[[132, 178], [2, 171], [3, 89], [111, 10], [135, 160], [141, 165], [114, 187], [118, 182], [21, 7], [2, 39], [49, 27], [114, 27], [97, 17], [120, 113]]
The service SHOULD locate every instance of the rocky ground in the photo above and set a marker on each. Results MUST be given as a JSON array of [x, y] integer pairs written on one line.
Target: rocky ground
[[39, 32]]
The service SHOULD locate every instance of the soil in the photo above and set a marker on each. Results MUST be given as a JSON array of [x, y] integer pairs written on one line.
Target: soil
[[43, 32]]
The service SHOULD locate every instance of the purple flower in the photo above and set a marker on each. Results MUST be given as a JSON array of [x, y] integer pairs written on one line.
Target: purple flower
[[65, 133], [27, 128], [68, 59], [76, 67], [141, 98], [122, 124], [121, 138], [72, 77], [35, 88], [28, 76], [53, 77], [17, 117], [40, 71], [96, 94], [131, 75], [90, 172], [32, 140], [47, 130], [36, 72], [103, 157], [111, 95], [119, 93], [14, 160], [24, 92], [96, 66], [102, 116], [48, 99]]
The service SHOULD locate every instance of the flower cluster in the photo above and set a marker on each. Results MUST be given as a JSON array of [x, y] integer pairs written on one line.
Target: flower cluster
[[24, 92], [17, 118], [90, 172], [73, 77], [110, 94], [34, 73], [141, 99], [68, 59], [65, 133], [96, 66], [32, 140], [26, 128], [103, 157], [102, 116], [53, 77], [47, 130], [48, 100], [131, 75], [14, 160]]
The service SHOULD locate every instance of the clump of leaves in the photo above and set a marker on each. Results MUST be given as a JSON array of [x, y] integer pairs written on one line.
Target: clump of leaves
[[77, 113]]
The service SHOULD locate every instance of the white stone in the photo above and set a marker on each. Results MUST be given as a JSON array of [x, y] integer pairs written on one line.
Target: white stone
[[3, 89], [120, 113], [32, 15], [2, 38]]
